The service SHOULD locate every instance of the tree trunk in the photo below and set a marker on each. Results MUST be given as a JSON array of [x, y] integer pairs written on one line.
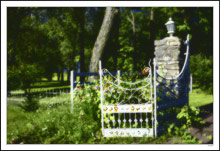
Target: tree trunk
[[117, 45], [135, 51], [58, 76], [81, 38], [62, 76], [132, 21], [68, 75], [101, 39], [152, 36]]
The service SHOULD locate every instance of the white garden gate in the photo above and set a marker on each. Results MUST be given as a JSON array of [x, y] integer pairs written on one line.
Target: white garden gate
[[134, 108], [126, 107]]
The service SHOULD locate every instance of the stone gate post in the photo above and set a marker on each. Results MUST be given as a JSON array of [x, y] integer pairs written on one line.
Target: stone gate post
[[167, 53]]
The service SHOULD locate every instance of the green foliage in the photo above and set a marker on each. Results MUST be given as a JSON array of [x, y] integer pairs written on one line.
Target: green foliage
[[89, 94], [30, 104], [13, 76], [188, 118], [29, 57], [54, 126], [41, 41], [201, 68], [210, 137], [50, 37]]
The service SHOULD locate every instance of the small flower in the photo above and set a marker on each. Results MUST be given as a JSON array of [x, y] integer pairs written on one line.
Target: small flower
[[112, 89], [96, 87], [81, 113]]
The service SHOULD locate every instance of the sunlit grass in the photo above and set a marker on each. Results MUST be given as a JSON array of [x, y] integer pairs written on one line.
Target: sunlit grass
[[198, 98]]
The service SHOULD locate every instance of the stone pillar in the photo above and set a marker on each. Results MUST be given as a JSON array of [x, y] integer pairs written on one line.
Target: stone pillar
[[167, 53]]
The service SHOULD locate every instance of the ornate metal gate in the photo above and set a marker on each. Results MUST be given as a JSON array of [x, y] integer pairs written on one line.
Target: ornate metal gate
[[126, 107], [131, 109]]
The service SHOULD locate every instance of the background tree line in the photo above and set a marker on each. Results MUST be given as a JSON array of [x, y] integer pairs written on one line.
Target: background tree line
[[42, 41]]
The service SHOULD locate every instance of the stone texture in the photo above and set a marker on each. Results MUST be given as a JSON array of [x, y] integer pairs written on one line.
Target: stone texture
[[167, 52], [160, 42]]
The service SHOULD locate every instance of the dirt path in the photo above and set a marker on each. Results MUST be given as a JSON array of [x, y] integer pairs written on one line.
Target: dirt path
[[205, 132]]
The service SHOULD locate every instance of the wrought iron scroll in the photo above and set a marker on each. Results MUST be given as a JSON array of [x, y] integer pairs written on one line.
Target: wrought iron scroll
[[126, 107]]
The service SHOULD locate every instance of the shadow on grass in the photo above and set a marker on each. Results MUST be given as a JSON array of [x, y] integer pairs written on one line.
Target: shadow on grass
[[206, 110]]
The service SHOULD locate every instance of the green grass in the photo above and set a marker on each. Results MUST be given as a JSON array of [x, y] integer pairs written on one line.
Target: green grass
[[49, 84], [15, 120], [197, 98], [57, 125], [55, 77], [29, 126], [42, 89], [59, 98]]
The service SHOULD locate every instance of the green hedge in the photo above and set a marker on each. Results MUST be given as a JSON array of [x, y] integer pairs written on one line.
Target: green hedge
[[201, 68]]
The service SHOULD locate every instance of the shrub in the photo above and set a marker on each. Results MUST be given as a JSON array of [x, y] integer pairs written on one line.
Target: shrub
[[202, 69], [30, 104], [57, 125], [188, 118]]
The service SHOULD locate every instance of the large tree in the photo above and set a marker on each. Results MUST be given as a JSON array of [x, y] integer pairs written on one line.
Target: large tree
[[102, 38], [31, 53]]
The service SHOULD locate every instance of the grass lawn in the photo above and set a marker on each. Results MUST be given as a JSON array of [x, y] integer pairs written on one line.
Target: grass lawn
[[198, 98], [55, 77], [48, 125]]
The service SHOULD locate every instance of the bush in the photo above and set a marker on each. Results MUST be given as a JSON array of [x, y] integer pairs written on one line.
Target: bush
[[57, 125], [202, 69], [54, 126], [188, 117], [13, 79], [30, 104]]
